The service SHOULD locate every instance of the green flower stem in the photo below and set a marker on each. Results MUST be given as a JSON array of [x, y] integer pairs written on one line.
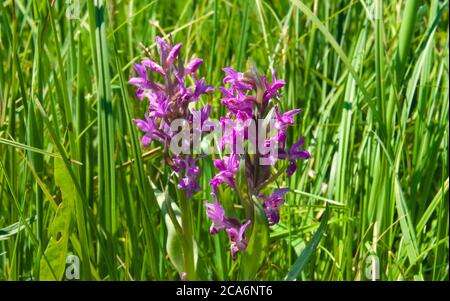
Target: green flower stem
[[188, 245]]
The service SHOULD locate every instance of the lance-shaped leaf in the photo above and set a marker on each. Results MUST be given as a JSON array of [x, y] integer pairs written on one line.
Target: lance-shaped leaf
[[256, 251], [306, 254], [60, 228], [175, 238]]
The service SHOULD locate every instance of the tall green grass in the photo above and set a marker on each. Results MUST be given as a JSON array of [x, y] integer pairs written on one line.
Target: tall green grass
[[371, 78]]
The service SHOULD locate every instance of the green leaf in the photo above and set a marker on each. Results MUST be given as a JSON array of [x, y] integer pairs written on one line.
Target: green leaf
[[256, 251], [304, 257], [60, 228], [175, 238], [7, 232]]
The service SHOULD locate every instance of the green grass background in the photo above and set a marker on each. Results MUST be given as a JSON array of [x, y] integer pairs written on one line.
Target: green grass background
[[371, 77]]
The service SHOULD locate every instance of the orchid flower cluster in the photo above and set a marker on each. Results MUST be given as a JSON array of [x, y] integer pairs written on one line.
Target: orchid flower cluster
[[248, 98], [169, 100]]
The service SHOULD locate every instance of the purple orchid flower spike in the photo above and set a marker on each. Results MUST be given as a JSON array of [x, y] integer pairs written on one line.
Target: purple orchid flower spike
[[238, 242], [163, 84], [247, 98], [272, 205], [142, 76]]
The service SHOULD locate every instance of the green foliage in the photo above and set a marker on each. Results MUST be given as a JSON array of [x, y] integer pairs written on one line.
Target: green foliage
[[60, 228], [258, 243], [308, 251]]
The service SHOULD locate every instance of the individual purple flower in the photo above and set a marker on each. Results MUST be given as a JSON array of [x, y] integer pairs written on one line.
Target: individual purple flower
[[236, 79], [272, 205], [170, 99], [200, 88], [293, 154], [189, 184], [282, 122], [227, 167], [216, 213], [235, 132], [159, 106], [173, 53], [151, 131], [183, 276], [247, 98], [238, 103], [141, 82], [191, 172], [238, 242], [272, 89]]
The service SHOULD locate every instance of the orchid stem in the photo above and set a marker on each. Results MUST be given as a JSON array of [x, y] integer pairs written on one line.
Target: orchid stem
[[188, 246], [272, 178]]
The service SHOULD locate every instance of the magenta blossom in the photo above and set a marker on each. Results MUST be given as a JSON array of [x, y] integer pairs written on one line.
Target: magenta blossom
[[233, 227], [249, 98], [238, 242], [282, 122], [227, 167], [293, 154], [217, 214], [191, 172], [151, 132], [272, 89], [236, 79], [272, 205], [238, 103], [164, 85]]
